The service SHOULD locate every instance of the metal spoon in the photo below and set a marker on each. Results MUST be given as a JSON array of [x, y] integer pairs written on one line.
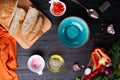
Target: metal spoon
[[91, 12]]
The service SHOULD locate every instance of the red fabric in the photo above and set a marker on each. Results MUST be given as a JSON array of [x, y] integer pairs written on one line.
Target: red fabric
[[8, 54]]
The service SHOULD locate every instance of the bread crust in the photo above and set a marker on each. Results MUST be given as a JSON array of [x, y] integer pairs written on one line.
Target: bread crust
[[25, 4], [33, 32], [7, 11]]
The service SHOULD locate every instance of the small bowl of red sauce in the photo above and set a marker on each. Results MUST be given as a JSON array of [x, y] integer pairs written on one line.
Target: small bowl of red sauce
[[57, 7]]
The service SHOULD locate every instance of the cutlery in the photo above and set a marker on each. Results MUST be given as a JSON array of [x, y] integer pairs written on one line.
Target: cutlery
[[91, 12]]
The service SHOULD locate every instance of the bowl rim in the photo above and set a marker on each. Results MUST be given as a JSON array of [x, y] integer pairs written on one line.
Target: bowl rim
[[29, 62], [88, 33], [62, 12], [63, 63]]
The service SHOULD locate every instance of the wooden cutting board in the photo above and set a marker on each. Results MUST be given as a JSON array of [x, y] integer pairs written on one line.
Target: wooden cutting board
[[90, 64], [23, 39]]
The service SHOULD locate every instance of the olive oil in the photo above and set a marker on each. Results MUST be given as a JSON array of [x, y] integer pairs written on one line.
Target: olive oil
[[55, 63]]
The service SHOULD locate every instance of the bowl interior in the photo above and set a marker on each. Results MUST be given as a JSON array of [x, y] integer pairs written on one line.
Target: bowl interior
[[73, 32]]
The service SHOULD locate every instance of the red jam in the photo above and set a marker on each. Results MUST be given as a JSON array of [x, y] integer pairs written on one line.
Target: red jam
[[58, 8]]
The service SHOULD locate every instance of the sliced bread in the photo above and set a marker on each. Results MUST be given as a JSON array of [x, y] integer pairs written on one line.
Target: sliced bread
[[37, 29], [17, 21], [7, 11], [30, 21]]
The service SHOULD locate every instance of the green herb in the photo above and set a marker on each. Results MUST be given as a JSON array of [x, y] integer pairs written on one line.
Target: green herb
[[77, 78], [114, 76], [115, 54], [115, 57]]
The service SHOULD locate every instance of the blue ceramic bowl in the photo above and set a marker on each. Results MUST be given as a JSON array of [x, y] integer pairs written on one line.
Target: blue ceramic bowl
[[73, 32]]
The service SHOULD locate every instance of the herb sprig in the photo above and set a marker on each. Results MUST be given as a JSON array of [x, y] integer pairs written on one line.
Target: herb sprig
[[115, 57]]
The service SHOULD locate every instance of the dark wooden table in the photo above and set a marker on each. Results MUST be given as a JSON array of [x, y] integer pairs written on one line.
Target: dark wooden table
[[48, 44]]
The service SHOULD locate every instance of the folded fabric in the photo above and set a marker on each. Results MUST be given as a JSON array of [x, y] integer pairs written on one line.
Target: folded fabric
[[8, 54]]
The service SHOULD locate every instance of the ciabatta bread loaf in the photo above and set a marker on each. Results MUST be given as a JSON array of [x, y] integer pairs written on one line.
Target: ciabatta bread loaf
[[17, 21], [30, 21], [37, 29], [7, 11], [25, 26]]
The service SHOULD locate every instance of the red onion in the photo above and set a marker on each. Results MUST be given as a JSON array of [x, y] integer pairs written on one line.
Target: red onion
[[107, 71]]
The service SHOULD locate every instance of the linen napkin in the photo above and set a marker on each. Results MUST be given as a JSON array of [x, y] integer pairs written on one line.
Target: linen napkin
[[8, 54]]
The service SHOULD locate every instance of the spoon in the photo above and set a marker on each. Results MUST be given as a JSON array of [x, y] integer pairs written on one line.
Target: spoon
[[91, 12]]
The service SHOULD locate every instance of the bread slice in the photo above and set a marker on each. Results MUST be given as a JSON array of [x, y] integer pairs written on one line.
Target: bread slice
[[17, 21], [7, 11], [37, 29], [30, 21]]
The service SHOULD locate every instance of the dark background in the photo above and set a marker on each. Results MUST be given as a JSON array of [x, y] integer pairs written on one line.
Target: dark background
[[48, 44]]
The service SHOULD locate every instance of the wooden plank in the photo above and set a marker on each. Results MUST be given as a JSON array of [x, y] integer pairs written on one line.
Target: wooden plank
[[69, 57], [47, 75], [49, 44], [67, 74]]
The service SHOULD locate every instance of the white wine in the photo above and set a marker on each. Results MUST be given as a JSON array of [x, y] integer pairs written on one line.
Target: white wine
[[55, 63]]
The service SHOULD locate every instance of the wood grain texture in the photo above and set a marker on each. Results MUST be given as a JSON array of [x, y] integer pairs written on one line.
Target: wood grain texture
[[49, 44]]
